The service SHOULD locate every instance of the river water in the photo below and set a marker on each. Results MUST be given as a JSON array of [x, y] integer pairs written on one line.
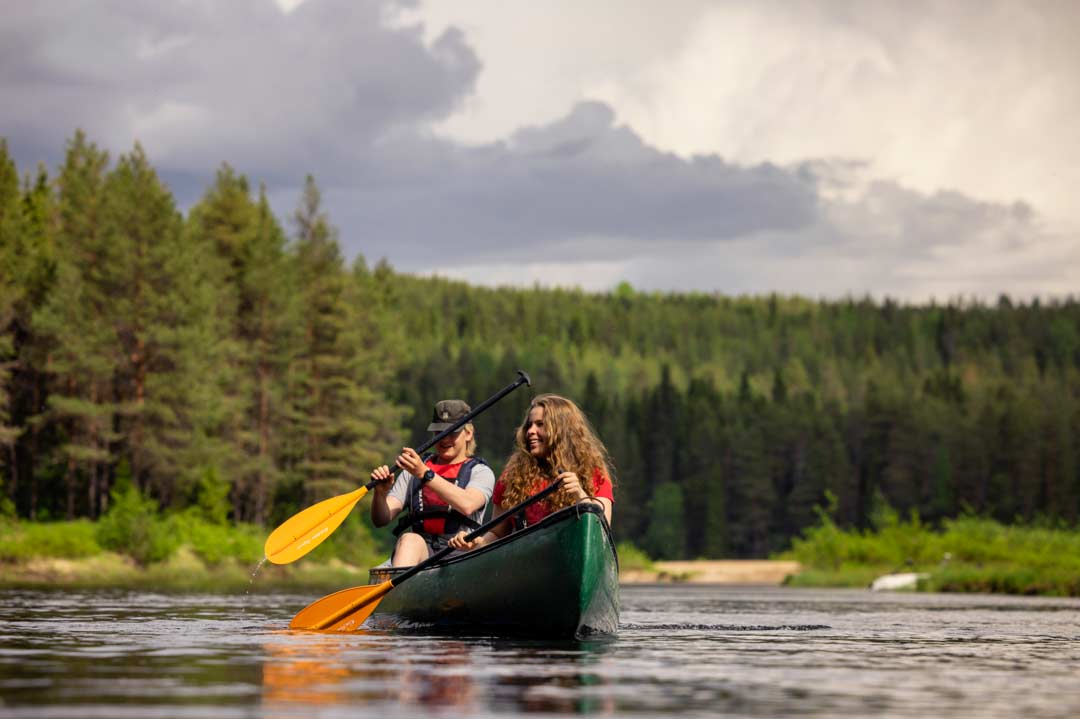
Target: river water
[[686, 650]]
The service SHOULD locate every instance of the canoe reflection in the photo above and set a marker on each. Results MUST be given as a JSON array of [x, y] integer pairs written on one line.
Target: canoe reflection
[[394, 675], [444, 679], [562, 694]]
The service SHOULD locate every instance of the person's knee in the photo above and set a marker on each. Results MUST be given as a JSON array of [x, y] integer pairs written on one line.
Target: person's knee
[[411, 549]]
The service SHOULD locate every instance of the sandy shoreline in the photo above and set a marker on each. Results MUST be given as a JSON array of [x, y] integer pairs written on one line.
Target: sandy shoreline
[[721, 571]]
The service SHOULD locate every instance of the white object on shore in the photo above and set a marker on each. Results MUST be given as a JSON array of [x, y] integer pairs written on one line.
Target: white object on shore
[[892, 582]]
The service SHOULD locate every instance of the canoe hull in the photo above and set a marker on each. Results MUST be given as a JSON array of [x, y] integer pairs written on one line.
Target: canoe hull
[[559, 578]]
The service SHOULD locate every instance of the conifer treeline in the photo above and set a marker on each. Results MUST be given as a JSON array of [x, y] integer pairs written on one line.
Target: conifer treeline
[[180, 352], [221, 348]]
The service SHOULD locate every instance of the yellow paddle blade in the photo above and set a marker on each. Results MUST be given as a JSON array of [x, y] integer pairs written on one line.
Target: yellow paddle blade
[[341, 611], [306, 530]]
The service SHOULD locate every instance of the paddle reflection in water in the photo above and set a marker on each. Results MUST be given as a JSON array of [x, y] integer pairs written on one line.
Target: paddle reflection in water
[[308, 671], [358, 669]]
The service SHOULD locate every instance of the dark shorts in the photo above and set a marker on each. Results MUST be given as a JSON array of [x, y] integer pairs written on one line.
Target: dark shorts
[[436, 542]]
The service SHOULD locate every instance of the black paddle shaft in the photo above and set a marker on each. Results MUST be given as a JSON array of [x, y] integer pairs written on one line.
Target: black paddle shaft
[[523, 378], [479, 531]]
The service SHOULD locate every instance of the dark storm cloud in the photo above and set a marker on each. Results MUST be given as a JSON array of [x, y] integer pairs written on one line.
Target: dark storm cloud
[[200, 83], [583, 183], [334, 90]]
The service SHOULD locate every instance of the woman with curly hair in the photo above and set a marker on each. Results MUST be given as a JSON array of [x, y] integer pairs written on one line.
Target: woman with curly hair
[[554, 443]]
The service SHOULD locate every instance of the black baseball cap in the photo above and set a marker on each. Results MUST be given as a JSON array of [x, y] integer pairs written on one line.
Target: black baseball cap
[[446, 413]]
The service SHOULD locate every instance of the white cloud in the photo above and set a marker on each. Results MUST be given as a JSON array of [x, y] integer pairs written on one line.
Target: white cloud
[[970, 95]]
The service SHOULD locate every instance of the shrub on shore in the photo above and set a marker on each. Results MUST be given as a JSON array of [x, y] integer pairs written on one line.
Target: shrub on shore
[[20, 541], [968, 553], [631, 558]]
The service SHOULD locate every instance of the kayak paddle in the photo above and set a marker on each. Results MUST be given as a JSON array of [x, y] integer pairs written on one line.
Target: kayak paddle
[[306, 530], [346, 610]]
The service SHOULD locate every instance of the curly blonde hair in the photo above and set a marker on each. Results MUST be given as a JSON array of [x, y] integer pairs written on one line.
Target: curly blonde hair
[[572, 447]]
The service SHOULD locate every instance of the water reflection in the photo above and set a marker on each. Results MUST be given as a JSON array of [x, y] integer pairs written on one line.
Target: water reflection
[[415, 674], [304, 670], [554, 678], [363, 668], [566, 694], [701, 651], [445, 680]]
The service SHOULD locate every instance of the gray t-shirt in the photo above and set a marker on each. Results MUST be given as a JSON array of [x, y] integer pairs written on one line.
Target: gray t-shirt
[[482, 479]]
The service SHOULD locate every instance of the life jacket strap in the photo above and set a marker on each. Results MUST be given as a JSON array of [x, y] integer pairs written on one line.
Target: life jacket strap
[[410, 519]]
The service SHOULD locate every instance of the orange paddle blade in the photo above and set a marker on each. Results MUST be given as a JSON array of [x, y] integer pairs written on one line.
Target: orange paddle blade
[[341, 611], [302, 532]]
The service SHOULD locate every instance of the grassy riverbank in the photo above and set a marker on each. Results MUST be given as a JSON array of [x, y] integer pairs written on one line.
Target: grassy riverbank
[[201, 558], [966, 554], [135, 546]]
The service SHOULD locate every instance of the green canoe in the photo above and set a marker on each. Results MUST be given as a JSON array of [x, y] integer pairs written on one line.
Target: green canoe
[[558, 578]]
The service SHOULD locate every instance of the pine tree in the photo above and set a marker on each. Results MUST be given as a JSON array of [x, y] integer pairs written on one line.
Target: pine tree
[[10, 214], [664, 537], [702, 471], [74, 334], [341, 416], [170, 346], [257, 307]]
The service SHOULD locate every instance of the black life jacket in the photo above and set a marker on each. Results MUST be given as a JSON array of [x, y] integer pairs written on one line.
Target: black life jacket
[[429, 513]]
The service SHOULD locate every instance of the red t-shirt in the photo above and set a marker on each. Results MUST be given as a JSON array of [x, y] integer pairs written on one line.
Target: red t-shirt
[[537, 511]]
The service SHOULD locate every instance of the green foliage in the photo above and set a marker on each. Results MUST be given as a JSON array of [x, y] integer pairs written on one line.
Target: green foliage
[[967, 554], [664, 537], [20, 541], [7, 507], [212, 497], [215, 542], [631, 558], [1009, 579], [822, 545], [134, 526]]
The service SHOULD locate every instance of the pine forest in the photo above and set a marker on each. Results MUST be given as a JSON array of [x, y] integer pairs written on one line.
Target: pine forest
[[225, 352]]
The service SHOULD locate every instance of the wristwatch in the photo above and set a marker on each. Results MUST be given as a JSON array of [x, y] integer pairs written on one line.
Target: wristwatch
[[428, 476]]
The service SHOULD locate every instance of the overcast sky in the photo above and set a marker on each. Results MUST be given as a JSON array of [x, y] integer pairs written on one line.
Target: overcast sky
[[826, 148]]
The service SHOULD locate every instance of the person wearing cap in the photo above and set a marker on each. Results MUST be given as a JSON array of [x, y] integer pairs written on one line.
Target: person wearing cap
[[445, 491], [555, 442]]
